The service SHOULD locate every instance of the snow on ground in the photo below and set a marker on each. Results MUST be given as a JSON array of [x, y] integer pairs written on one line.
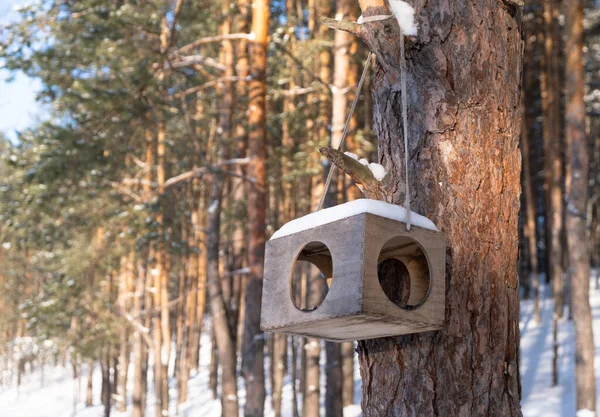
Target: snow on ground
[[540, 399]]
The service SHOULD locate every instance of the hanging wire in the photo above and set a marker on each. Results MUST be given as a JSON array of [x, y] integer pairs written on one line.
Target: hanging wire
[[346, 127], [405, 127]]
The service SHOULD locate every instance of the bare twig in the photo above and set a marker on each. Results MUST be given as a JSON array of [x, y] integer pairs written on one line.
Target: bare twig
[[137, 161], [197, 59], [198, 172], [214, 83], [124, 190], [346, 26]]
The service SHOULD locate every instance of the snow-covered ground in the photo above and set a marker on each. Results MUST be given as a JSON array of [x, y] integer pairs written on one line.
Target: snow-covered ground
[[540, 399]]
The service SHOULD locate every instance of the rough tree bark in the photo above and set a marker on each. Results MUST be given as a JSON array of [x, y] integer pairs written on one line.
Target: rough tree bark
[[253, 363], [577, 189], [463, 72]]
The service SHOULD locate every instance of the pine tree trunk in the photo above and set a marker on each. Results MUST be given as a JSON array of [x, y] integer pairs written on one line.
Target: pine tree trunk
[[553, 149], [279, 368], [528, 174], [190, 294], [577, 189], [89, 392], [200, 233], [125, 296], [348, 371], [106, 383], [334, 404], [253, 362], [162, 288], [294, 375], [219, 307], [181, 362], [213, 372], [139, 346], [312, 390], [463, 94], [121, 385], [220, 314]]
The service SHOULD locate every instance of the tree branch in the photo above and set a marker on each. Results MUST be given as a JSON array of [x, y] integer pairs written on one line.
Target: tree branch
[[362, 175], [198, 172], [346, 26], [125, 190]]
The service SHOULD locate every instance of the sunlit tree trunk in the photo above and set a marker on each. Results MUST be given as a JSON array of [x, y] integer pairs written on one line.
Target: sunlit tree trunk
[[139, 345], [253, 363], [106, 382], [577, 189], [89, 392]]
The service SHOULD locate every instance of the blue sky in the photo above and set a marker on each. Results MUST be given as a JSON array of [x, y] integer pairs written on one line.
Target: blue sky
[[18, 108]]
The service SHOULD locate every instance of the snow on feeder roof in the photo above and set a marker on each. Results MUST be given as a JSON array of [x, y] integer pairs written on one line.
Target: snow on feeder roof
[[352, 208]]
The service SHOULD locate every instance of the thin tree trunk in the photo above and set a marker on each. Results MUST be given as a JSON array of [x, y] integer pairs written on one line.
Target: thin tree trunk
[[200, 232], [89, 392], [253, 363], [341, 67], [295, 362], [139, 346], [552, 147], [213, 373], [279, 361], [106, 383], [528, 173], [577, 190], [125, 293], [333, 372], [553, 167], [464, 162], [181, 363], [123, 364], [312, 392], [348, 370], [220, 313], [162, 287]]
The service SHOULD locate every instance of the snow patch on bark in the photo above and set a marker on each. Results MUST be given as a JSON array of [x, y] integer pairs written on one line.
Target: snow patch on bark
[[377, 170], [405, 15]]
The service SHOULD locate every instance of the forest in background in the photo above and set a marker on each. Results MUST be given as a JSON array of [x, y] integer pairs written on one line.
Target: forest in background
[[182, 134]]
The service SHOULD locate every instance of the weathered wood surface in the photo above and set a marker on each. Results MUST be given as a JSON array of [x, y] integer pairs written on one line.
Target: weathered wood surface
[[356, 306], [463, 74]]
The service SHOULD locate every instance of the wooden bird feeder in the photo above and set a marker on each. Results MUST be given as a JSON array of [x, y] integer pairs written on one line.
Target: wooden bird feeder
[[367, 256]]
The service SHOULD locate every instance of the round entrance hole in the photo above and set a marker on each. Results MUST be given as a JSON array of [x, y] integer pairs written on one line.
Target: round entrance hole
[[403, 272], [311, 277]]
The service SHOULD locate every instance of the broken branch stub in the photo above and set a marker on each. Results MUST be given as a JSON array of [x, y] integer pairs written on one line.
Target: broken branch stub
[[361, 174], [381, 37]]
